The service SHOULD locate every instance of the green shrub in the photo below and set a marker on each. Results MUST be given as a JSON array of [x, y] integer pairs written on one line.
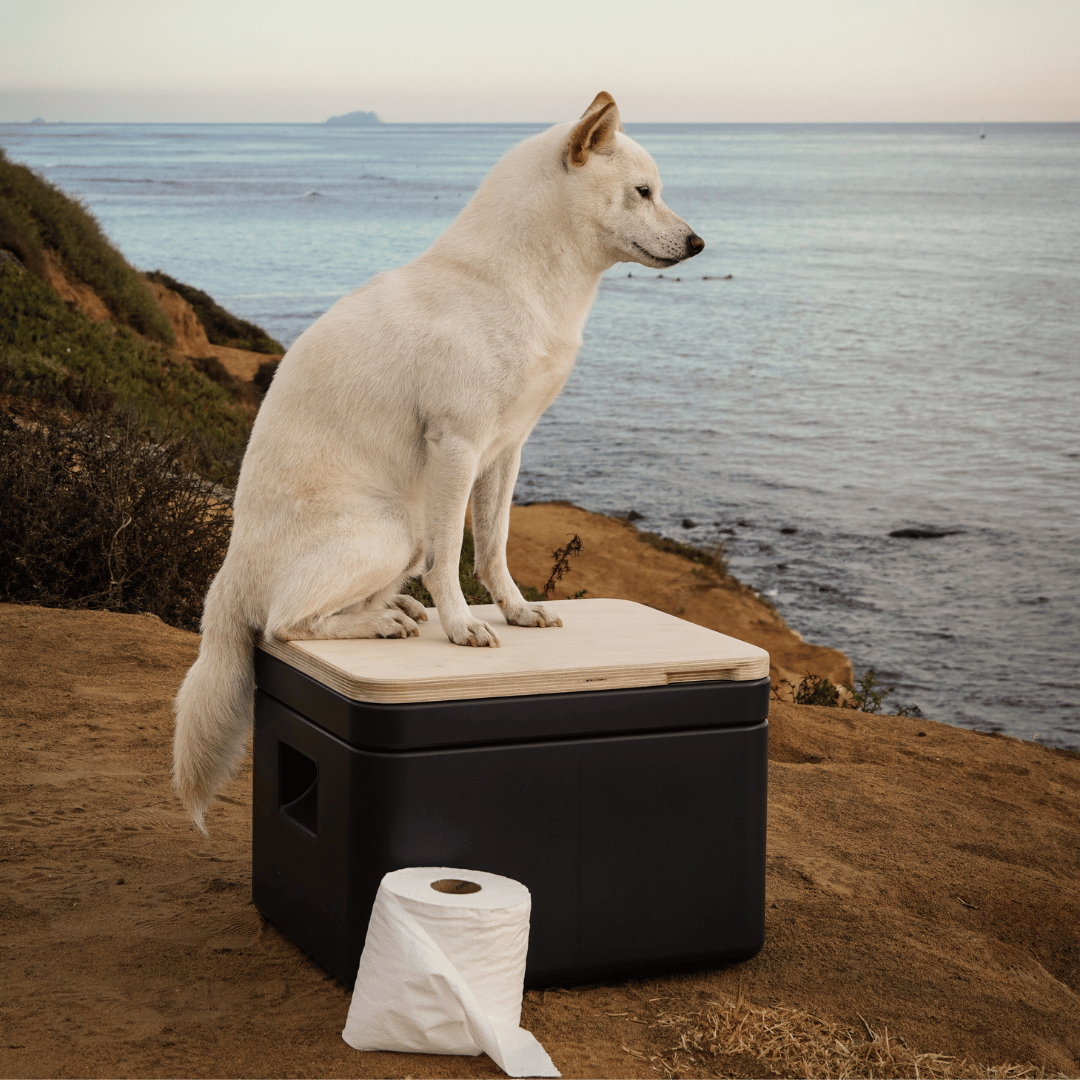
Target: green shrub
[[815, 690], [865, 696], [221, 326], [60, 356], [94, 516], [35, 216], [264, 375], [238, 389]]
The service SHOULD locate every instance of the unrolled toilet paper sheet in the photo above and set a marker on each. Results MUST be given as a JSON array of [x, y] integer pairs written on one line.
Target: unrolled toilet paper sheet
[[442, 973]]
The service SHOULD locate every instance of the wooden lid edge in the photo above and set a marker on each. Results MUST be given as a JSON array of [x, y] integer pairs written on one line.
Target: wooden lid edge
[[471, 687]]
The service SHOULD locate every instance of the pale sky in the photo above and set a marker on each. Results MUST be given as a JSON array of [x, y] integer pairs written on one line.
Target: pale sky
[[501, 60]]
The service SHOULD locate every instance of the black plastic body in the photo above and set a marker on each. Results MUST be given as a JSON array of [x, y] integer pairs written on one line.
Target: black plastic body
[[636, 818]]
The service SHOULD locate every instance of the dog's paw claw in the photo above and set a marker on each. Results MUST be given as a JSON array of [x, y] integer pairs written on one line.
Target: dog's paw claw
[[413, 608], [533, 615], [475, 633], [395, 624]]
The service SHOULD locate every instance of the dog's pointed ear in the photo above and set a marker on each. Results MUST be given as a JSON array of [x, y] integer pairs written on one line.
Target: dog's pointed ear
[[595, 132], [598, 103]]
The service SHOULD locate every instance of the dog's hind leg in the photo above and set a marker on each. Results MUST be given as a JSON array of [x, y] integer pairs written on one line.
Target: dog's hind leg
[[491, 495], [345, 586], [384, 622], [391, 598]]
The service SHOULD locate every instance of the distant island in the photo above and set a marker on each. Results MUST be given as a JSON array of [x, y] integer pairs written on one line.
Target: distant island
[[354, 119]]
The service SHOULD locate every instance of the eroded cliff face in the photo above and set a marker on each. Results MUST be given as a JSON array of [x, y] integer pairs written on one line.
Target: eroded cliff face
[[191, 339], [615, 562], [71, 289]]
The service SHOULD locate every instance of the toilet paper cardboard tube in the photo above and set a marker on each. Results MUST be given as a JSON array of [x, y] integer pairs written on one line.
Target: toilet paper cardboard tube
[[455, 886]]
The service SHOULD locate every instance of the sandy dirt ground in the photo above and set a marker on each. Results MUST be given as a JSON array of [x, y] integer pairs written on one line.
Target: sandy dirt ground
[[922, 880]]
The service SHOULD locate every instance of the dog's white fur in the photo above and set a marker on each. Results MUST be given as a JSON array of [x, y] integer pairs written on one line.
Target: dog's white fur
[[407, 399]]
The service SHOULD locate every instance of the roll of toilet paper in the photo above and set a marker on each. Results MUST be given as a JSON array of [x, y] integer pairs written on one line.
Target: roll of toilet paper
[[443, 968]]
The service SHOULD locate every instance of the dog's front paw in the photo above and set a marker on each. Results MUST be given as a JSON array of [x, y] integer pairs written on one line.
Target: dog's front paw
[[471, 632], [413, 608], [531, 615]]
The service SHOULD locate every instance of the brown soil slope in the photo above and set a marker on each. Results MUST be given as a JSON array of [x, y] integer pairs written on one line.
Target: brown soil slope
[[191, 339], [921, 878]]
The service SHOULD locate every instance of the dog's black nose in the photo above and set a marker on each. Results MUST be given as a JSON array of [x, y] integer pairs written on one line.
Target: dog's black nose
[[694, 245]]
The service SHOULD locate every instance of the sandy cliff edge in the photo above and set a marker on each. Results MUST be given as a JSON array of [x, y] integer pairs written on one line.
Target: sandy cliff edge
[[616, 562]]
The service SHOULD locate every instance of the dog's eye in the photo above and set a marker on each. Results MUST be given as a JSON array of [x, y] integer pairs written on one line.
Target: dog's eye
[[644, 191]]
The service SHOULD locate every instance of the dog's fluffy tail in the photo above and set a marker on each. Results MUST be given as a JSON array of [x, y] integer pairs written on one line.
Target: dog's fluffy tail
[[215, 703]]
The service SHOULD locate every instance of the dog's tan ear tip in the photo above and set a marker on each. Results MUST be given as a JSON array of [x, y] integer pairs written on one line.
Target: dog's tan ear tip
[[598, 102], [595, 131]]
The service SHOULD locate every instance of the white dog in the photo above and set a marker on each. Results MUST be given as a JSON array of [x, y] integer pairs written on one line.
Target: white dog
[[404, 401]]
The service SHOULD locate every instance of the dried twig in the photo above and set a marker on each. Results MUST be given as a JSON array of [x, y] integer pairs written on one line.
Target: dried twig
[[562, 557]]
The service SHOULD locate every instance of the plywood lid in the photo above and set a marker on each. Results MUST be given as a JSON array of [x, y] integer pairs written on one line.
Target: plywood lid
[[602, 645]]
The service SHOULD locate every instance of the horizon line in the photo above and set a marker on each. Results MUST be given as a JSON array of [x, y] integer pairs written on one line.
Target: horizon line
[[39, 122]]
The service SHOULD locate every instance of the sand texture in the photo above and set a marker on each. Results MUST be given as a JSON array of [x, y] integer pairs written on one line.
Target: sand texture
[[925, 883]]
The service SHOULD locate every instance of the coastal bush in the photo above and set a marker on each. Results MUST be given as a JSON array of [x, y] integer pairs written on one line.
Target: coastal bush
[[57, 355], [815, 690], [97, 517], [221, 326], [36, 218], [866, 695], [250, 393], [264, 376]]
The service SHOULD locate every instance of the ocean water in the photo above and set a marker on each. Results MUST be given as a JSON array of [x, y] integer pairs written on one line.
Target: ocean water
[[897, 346]]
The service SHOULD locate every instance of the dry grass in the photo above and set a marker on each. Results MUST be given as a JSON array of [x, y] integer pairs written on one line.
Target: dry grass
[[792, 1043]]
